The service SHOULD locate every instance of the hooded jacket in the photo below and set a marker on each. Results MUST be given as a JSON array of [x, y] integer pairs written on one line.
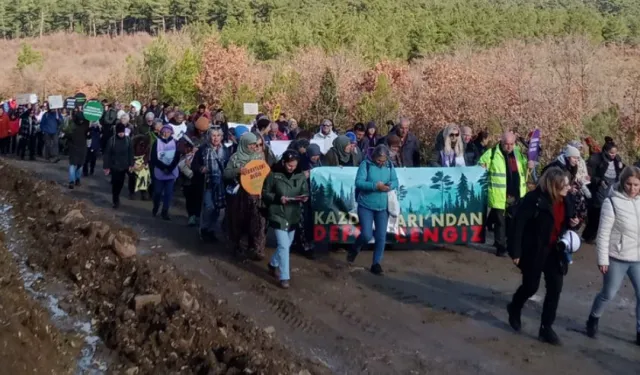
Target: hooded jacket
[[326, 139], [619, 230], [4, 126], [118, 154], [281, 184]]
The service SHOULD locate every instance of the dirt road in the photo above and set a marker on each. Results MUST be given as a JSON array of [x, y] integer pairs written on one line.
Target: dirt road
[[440, 311]]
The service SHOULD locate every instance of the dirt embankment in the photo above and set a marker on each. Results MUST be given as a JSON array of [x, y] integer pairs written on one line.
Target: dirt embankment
[[154, 319], [29, 342]]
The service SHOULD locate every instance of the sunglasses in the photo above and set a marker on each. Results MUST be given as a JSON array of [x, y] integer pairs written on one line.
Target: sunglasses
[[454, 135], [259, 144]]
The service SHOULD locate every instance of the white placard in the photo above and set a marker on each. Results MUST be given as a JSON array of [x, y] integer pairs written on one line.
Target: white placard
[[279, 147], [251, 108], [56, 101], [22, 99], [320, 143], [33, 98]]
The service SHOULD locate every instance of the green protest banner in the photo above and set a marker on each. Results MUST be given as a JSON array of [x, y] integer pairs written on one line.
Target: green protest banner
[[437, 205], [93, 111]]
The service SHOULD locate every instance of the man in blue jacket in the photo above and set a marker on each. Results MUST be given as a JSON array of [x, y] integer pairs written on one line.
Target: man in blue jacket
[[49, 125]]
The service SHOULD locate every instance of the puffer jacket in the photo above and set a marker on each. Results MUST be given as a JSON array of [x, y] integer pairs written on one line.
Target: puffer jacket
[[619, 231]]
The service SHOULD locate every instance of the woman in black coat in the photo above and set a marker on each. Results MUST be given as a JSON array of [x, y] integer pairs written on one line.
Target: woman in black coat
[[542, 218], [77, 147], [604, 168]]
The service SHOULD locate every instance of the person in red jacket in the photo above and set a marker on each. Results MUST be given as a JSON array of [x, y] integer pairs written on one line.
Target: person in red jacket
[[5, 141]]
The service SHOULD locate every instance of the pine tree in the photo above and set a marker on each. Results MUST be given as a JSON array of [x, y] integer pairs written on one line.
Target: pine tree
[[326, 105], [463, 190]]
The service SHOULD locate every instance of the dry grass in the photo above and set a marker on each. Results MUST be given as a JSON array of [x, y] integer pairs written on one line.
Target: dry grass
[[72, 62]]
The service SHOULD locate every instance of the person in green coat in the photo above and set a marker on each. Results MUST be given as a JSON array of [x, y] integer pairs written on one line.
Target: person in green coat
[[283, 192]]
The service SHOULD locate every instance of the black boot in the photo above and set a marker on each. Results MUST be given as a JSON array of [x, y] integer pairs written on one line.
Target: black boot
[[154, 211], [514, 318], [548, 335], [638, 338], [165, 216], [592, 326]]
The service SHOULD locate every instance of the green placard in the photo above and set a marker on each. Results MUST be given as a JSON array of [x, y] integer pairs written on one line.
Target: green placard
[[93, 111]]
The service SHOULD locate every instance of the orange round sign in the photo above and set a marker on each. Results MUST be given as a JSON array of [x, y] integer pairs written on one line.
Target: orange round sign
[[253, 179]]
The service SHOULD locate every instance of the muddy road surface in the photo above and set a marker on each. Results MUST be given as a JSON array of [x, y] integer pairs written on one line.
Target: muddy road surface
[[439, 311]]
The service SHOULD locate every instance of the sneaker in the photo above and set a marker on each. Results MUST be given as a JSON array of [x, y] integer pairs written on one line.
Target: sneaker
[[165, 216], [143, 196], [501, 253], [638, 338], [284, 284], [548, 335], [154, 211], [514, 318], [71, 186], [56, 160], [376, 269], [192, 221], [116, 205], [592, 326], [77, 182]]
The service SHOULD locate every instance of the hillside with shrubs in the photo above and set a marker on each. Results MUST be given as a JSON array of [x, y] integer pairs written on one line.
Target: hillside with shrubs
[[570, 67]]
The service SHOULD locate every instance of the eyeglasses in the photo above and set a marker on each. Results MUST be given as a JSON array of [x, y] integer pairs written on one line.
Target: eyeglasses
[[454, 135], [259, 144]]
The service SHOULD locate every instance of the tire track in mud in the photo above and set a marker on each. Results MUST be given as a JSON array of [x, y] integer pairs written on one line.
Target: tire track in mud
[[347, 322]]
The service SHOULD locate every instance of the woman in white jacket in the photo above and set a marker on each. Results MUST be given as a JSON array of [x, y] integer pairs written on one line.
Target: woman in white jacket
[[618, 245]]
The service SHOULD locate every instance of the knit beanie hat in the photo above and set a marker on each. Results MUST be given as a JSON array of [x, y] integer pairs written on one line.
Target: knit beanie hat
[[571, 151]]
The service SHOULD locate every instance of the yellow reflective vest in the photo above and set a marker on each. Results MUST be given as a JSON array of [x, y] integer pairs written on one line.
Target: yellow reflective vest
[[494, 162]]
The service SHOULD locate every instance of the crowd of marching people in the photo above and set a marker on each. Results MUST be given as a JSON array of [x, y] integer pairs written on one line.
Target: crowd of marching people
[[535, 220]]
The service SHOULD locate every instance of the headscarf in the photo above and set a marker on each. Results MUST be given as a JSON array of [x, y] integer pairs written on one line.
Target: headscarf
[[339, 144], [313, 150], [243, 155]]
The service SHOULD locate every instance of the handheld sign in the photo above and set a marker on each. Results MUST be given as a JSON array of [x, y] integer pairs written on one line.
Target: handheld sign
[[250, 108], [252, 181], [136, 104], [23, 99], [534, 146], [279, 147], [70, 103], [55, 102], [92, 111], [80, 98], [276, 112]]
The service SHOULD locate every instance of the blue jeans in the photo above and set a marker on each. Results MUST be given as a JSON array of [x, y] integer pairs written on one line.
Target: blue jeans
[[367, 219], [612, 281], [74, 173], [210, 214], [280, 258], [163, 189]]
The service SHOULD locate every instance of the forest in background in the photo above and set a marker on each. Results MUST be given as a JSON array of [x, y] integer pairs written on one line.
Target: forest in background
[[570, 68], [375, 29]]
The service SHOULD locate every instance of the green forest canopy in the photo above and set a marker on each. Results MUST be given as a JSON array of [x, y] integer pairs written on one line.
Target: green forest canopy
[[377, 29]]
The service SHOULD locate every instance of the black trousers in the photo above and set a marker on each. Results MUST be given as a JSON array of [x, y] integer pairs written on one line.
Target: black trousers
[[593, 223], [89, 163], [14, 144], [553, 278], [117, 182], [27, 142], [5, 145], [193, 194], [40, 143], [131, 184], [501, 224]]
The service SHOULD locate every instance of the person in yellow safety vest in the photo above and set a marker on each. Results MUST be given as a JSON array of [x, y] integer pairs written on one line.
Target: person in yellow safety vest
[[507, 176]]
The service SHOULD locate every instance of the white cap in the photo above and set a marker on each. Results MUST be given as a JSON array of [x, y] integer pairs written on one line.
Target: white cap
[[571, 240]]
